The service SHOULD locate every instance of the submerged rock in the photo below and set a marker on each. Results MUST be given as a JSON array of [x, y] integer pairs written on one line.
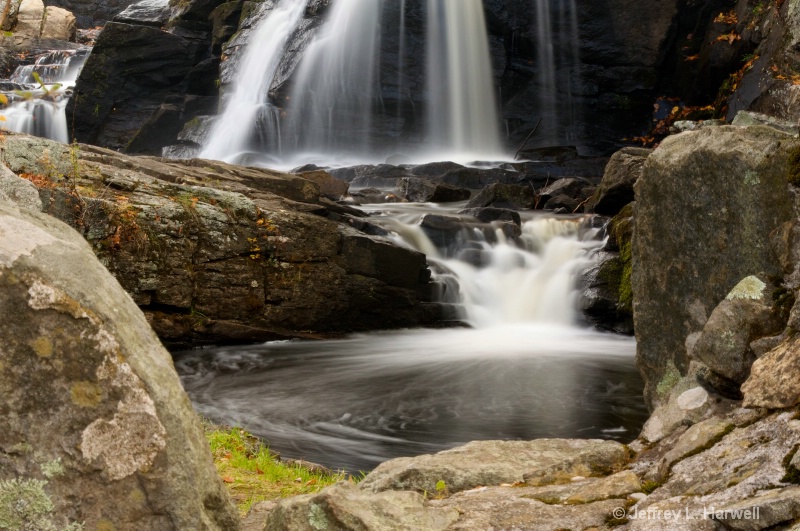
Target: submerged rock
[[97, 429]]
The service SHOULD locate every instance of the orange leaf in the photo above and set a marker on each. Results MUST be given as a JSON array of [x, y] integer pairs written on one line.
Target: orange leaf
[[227, 479]]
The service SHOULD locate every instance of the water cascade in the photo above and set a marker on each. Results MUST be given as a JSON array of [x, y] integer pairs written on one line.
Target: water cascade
[[558, 60], [335, 97], [331, 103], [40, 111], [249, 108], [462, 114], [526, 369]]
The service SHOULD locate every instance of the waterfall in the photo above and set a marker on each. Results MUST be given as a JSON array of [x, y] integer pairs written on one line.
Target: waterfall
[[498, 281], [462, 113], [331, 103], [41, 111], [249, 106], [558, 61]]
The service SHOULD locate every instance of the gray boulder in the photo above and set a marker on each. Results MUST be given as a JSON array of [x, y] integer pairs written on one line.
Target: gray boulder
[[96, 426], [616, 188], [486, 463], [746, 314], [706, 204]]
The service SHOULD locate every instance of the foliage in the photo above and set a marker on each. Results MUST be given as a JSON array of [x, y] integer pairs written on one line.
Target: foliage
[[252, 473]]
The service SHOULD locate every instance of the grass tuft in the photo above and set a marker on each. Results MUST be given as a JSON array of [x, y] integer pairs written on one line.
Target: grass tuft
[[253, 474]]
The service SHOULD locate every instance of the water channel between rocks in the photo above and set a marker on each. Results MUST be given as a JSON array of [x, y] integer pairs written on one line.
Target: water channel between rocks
[[527, 368]]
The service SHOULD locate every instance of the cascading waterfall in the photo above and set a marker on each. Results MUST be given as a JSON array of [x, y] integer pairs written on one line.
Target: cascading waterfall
[[335, 96], [462, 114], [249, 107], [331, 103], [558, 61], [502, 281], [524, 371], [37, 111]]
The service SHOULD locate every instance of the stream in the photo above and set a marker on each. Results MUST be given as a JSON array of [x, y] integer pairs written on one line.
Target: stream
[[526, 367]]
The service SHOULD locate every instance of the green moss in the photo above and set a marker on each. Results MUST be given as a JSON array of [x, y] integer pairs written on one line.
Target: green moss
[[625, 290], [794, 167], [25, 505], [668, 381], [649, 486], [52, 469]]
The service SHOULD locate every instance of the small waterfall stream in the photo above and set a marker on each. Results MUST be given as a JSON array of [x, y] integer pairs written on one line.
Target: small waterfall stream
[[527, 368], [41, 111]]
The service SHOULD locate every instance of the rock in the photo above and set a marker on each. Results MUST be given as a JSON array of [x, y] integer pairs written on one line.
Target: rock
[[747, 118], [738, 467], [345, 506], [18, 190], [513, 196], [91, 13], [511, 508], [435, 169], [488, 463], [605, 296], [29, 22], [773, 379], [572, 187], [366, 175], [762, 511], [706, 204], [97, 429], [220, 253], [697, 438], [442, 230], [786, 246], [616, 188], [58, 24], [257, 516], [419, 190], [746, 314], [562, 202], [146, 12], [489, 214], [130, 72], [329, 186], [617, 485]]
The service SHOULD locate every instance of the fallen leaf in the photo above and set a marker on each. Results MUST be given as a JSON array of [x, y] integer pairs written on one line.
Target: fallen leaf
[[227, 479]]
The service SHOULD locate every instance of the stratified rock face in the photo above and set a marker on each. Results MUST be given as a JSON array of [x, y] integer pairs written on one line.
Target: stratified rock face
[[96, 426], [220, 253], [706, 204]]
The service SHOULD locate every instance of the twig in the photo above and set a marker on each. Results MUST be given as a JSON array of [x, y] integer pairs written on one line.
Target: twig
[[527, 138]]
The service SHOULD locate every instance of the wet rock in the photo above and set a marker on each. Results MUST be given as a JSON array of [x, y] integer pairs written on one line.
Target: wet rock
[[435, 169], [616, 188], [746, 314], [572, 187], [345, 506], [419, 190], [367, 176], [146, 12], [562, 202], [706, 204], [329, 186], [92, 405], [512, 196], [489, 214], [773, 378], [488, 463]]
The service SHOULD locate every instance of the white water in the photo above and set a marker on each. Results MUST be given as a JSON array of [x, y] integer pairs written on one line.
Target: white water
[[462, 114], [558, 60], [335, 96], [249, 107], [35, 111], [527, 369]]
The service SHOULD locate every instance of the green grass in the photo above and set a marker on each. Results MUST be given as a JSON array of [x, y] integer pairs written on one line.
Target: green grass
[[253, 474]]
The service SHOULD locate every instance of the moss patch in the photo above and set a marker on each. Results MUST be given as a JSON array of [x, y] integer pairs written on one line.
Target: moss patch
[[668, 381]]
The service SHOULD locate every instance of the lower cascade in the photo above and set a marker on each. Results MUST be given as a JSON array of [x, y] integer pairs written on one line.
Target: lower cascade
[[526, 368], [37, 107]]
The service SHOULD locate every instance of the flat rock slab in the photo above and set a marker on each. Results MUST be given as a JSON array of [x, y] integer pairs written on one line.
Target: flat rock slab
[[492, 463]]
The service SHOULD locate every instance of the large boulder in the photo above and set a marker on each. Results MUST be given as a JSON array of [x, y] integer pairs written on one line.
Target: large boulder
[[773, 380], [97, 429], [498, 195], [706, 204], [419, 190], [219, 253]]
